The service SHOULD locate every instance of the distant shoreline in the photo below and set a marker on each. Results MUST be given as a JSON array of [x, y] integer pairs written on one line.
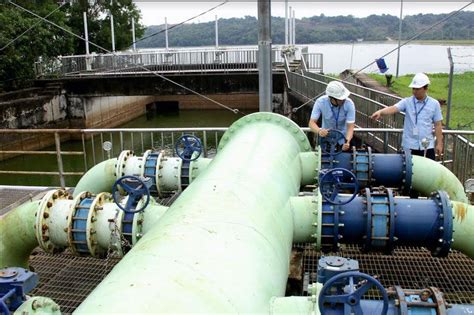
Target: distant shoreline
[[447, 42], [457, 42]]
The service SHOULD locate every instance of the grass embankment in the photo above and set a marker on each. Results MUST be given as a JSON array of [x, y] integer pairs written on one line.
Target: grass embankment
[[462, 108]]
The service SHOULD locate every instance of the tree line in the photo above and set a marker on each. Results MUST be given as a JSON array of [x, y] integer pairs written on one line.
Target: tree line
[[45, 40], [316, 29]]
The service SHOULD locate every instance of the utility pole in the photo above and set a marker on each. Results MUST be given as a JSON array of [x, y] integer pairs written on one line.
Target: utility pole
[[286, 22], [112, 31], [133, 34], [352, 54], [166, 32], [399, 37], [265, 85], [290, 29], [217, 33], [86, 33], [294, 28], [450, 87]]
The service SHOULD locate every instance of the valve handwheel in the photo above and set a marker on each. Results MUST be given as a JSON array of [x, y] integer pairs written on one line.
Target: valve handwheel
[[186, 146], [329, 144], [336, 181], [136, 188], [358, 284]]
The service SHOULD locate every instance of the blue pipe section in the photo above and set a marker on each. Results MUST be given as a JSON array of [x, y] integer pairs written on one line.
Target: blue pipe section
[[375, 307], [380, 221], [371, 169], [79, 225], [150, 170]]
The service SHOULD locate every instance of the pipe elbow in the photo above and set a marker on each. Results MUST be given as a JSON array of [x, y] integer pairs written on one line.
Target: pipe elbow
[[98, 179]]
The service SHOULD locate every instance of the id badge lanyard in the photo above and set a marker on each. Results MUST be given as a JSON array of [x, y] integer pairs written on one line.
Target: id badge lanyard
[[417, 113], [336, 117]]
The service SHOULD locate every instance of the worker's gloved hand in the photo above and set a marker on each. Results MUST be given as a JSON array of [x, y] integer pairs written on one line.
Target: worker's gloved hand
[[323, 132], [376, 115], [346, 146]]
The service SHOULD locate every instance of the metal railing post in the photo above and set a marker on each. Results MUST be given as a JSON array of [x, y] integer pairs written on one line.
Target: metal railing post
[[57, 141]]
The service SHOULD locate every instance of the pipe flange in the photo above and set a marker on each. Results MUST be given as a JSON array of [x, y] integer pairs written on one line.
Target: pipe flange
[[137, 226], [42, 221], [277, 119], [77, 224], [380, 230], [331, 228], [444, 240], [115, 227], [151, 169], [91, 231], [371, 165], [362, 166], [122, 162], [406, 185], [318, 213], [143, 164], [158, 176]]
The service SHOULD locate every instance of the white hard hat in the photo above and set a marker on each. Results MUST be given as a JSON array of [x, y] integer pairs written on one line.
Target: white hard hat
[[337, 90], [419, 81]]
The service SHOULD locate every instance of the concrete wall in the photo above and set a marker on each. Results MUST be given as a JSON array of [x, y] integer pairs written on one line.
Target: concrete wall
[[233, 100], [107, 111]]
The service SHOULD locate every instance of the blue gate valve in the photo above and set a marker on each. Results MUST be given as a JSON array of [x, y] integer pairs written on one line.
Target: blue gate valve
[[336, 181], [329, 143], [186, 146], [136, 188], [358, 284]]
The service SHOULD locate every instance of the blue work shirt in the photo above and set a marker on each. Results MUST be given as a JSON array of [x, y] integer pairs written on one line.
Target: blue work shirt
[[345, 114], [419, 116]]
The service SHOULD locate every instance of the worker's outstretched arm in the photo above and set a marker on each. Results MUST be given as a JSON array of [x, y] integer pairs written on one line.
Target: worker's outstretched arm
[[385, 111]]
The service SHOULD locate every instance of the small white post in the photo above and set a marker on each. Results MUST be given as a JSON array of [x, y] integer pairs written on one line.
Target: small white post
[[86, 33], [112, 31], [133, 34], [166, 33], [217, 33]]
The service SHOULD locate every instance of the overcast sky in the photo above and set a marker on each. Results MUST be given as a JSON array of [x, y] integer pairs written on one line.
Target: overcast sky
[[154, 12]]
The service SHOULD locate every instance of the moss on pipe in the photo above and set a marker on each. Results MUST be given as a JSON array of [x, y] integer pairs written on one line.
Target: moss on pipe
[[463, 226], [429, 176], [17, 235]]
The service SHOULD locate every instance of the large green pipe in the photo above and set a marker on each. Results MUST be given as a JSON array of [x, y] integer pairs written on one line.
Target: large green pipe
[[463, 226], [98, 179], [17, 239], [429, 176], [224, 244]]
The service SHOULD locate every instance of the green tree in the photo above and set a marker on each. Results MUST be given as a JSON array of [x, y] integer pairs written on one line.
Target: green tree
[[98, 23], [17, 60]]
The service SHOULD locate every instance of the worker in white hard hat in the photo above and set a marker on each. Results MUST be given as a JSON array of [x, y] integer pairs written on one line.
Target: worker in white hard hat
[[421, 113], [337, 111]]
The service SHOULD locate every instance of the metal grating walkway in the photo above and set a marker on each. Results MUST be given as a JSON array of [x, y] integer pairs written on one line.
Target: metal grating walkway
[[410, 268], [69, 279]]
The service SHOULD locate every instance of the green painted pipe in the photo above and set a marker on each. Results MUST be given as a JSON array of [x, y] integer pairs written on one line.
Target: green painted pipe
[[98, 179], [304, 210], [429, 176], [224, 245], [18, 238], [293, 305], [463, 226]]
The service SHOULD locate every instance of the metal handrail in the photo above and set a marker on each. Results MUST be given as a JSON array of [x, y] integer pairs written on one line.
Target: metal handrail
[[166, 61], [140, 139]]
